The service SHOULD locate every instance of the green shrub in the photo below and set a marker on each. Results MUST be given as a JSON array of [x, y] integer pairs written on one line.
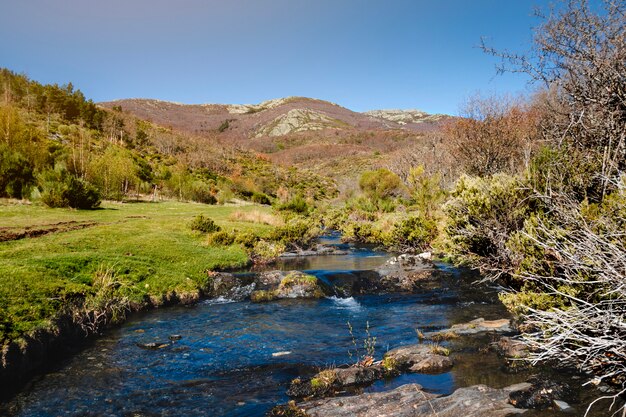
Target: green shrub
[[221, 238], [482, 214], [204, 224], [267, 251], [247, 240], [416, 232], [260, 198], [296, 205], [379, 184], [60, 189], [298, 232]]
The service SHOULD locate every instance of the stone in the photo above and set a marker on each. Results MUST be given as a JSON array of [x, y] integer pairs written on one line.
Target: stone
[[473, 327], [410, 400], [512, 348], [421, 358]]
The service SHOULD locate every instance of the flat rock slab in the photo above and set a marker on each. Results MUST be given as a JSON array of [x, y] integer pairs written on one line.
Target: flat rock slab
[[420, 358], [473, 327], [410, 401]]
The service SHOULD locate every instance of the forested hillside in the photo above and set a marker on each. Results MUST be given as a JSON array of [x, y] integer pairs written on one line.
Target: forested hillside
[[64, 149]]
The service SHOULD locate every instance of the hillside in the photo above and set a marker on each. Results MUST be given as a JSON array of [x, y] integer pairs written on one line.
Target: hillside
[[296, 131], [273, 118]]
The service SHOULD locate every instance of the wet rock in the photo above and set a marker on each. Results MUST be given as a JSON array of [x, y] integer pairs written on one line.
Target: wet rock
[[330, 381], [230, 286], [152, 345], [422, 358], [410, 400], [562, 405], [473, 327], [511, 348], [541, 394], [408, 273], [293, 285]]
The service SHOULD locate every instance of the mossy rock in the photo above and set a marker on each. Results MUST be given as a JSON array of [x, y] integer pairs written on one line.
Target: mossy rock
[[262, 296]]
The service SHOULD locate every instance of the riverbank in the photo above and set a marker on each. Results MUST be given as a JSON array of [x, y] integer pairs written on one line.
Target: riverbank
[[67, 274]]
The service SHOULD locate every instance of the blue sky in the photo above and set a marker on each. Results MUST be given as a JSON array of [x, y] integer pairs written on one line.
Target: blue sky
[[362, 54]]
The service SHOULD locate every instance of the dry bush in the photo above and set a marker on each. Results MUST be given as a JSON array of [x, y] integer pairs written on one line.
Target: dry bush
[[256, 216], [495, 134]]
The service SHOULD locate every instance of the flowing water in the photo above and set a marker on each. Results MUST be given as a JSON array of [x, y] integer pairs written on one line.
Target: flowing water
[[237, 358]]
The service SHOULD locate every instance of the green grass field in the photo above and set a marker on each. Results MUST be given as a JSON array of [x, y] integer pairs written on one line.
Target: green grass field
[[148, 246]]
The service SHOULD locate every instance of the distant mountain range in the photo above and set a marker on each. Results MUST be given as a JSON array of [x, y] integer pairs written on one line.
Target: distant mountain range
[[275, 118]]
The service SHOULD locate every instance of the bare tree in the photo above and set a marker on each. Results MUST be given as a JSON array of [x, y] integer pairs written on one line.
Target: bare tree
[[579, 55]]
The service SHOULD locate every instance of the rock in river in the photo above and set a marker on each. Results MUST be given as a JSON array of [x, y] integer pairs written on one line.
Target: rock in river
[[408, 401], [422, 358]]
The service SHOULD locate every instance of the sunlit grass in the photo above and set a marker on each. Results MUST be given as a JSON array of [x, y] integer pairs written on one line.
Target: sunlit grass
[[148, 245]]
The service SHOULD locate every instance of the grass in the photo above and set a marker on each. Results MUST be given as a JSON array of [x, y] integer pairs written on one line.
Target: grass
[[149, 246]]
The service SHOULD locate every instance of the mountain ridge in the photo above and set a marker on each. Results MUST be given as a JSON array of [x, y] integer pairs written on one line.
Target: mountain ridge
[[274, 117]]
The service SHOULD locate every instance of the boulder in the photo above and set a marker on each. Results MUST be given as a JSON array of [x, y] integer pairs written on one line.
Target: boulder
[[408, 401], [230, 286], [421, 358], [294, 285]]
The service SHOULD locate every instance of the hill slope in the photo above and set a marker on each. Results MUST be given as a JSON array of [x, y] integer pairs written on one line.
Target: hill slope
[[273, 118]]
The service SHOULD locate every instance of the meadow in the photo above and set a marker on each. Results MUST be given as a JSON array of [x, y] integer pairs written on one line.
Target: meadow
[[148, 248]]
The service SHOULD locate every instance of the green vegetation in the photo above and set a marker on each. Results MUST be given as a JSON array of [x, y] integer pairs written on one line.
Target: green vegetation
[[146, 248], [204, 224]]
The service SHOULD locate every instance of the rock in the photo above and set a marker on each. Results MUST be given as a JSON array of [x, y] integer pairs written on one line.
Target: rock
[[293, 285], [410, 400], [408, 273], [475, 326], [426, 255], [562, 405], [330, 381], [427, 359], [229, 286], [152, 346], [175, 337], [512, 348], [541, 394]]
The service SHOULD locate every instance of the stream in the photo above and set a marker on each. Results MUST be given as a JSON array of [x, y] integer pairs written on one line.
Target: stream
[[237, 358]]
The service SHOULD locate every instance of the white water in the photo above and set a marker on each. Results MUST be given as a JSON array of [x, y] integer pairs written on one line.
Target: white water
[[348, 303]]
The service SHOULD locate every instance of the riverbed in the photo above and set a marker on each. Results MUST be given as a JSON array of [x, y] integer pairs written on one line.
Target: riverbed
[[226, 358]]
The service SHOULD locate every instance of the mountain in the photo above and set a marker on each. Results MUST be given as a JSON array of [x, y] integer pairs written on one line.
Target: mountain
[[274, 118], [301, 132]]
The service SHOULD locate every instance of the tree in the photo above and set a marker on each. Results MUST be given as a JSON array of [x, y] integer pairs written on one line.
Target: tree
[[579, 56]]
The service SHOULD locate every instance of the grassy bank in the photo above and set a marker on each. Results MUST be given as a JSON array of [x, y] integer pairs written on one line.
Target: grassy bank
[[148, 249]]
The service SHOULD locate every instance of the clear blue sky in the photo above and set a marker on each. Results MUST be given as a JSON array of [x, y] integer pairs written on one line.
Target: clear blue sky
[[362, 54]]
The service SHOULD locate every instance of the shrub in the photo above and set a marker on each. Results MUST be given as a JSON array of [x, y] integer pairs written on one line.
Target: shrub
[[16, 173], [297, 232], [414, 233], [260, 198], [247, 240], [296, 205], [379, 184], [267, 251], [204, 224], [60, 189], [481, 216], [221, 238]]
